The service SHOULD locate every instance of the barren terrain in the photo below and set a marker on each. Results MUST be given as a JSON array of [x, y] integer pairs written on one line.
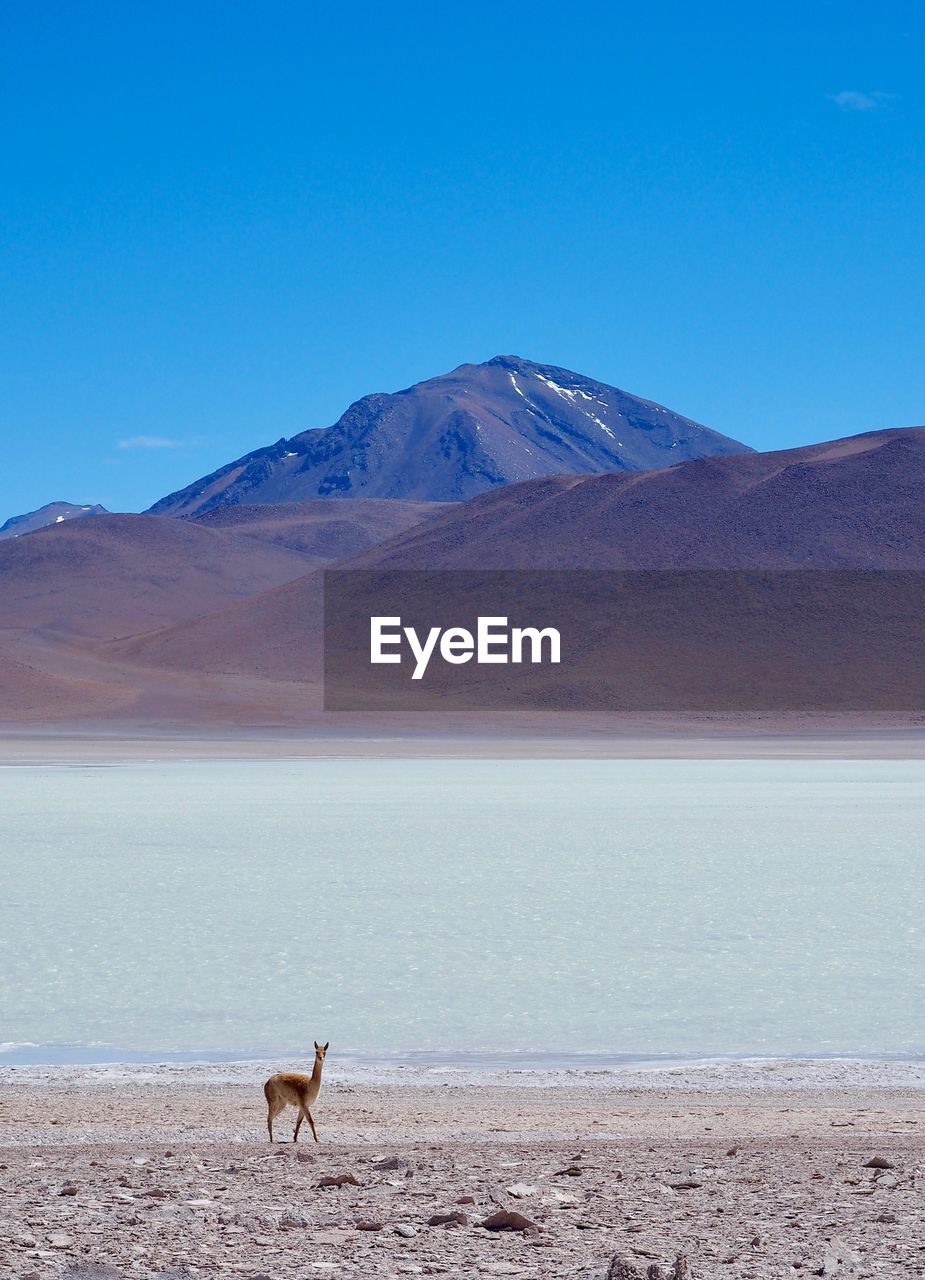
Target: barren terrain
[[754, 1170]]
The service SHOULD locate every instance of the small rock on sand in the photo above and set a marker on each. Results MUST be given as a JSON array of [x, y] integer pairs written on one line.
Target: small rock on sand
[[509, 1220], [455, 1219]]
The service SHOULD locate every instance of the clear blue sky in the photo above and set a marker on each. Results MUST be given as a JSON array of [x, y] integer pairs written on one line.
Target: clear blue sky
[[222, 222]]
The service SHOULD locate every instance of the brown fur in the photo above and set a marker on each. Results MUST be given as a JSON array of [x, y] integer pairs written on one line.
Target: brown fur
[[290, 1089]]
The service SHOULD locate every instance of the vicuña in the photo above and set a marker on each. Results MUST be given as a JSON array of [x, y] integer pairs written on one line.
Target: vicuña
[[289, 1089]]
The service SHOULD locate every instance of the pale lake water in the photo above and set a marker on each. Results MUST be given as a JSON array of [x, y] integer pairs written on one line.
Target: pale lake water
[[456, 907]]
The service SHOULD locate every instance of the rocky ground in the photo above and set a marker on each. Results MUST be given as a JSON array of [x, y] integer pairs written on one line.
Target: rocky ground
[[167, 1172]]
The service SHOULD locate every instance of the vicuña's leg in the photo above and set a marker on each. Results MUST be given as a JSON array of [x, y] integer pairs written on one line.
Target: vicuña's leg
[[308, 1117], [273, 1110], [298, 1126]]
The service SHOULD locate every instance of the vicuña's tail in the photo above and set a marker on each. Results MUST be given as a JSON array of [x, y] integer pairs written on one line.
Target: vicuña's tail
[[266, 1091]]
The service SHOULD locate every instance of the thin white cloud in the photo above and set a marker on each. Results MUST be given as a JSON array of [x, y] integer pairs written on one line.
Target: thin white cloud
[[854, 100], [149, 442]]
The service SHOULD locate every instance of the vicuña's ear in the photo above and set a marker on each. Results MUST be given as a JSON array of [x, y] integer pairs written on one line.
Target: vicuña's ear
[[317, 1045], [326, 1046]]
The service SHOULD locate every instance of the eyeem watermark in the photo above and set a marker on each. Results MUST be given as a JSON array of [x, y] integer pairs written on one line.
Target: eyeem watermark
[[494, 641], [679, 642]]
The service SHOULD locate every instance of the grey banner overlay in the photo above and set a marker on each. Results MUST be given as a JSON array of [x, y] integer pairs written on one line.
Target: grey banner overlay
[[685, 641]]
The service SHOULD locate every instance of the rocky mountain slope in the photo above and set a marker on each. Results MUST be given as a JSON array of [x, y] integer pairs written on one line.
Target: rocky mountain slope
[[454, 436]]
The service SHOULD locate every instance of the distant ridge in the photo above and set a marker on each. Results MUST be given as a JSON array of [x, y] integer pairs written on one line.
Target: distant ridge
[[322, 530], [851, 503], [51, 513], [217, 619], [457, 435]]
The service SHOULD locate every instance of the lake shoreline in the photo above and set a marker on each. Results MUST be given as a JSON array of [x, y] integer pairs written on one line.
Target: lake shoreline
[[28, 746], [834, 1074], [168, 1171]]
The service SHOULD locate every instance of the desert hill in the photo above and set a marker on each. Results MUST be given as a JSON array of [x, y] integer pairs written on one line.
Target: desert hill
[[323, 531], [853, 503]]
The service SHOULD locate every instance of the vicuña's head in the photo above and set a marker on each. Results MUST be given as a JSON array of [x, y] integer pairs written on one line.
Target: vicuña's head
[[321, 1050]]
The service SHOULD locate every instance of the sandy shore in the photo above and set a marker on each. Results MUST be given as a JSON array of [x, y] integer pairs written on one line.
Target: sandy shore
[[751, 1170], [20, 746]]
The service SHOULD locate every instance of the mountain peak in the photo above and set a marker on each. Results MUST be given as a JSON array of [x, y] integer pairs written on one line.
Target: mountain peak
[[456, 435], [512, 362], [51, 513]]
